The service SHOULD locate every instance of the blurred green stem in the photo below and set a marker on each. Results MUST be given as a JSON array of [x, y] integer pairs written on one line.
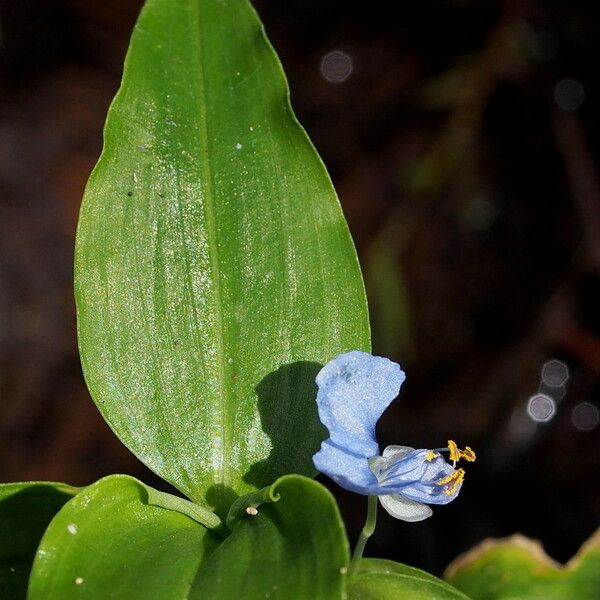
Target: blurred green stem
[[365, 534]]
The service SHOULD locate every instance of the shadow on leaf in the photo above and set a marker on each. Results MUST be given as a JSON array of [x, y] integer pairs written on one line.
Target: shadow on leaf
[[288, 413]]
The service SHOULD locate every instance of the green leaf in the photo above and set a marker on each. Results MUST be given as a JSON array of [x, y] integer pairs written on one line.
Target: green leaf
[[295, 547], [386, 580], [25, 511], [214, 270], [110, 542], [517, 568]]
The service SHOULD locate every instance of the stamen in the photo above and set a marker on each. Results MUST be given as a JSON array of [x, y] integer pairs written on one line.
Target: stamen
[[431, 455], [452, 481], [468, 454], [456, 453]]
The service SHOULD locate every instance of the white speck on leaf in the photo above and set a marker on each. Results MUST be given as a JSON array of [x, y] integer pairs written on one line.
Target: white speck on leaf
[[72, 528], [78, 580], [238, 146]]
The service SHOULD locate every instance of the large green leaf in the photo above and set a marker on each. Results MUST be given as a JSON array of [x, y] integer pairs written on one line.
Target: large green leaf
[[214, 269], [517, 568], [25, 511], [294, 548], [386, 580], [111, 542]]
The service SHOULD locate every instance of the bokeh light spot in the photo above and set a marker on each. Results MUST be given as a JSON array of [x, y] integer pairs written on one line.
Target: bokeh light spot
[[569, 94], [336, 66], [585, 416], [555, 373], [541, 408]]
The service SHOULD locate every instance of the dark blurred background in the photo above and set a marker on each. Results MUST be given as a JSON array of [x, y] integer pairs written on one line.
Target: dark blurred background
[[461, 136]]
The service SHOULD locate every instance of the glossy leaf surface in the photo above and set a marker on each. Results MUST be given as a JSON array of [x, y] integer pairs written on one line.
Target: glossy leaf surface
[[295, 548], [518, 569], [386, 580], [214, 270], [109, 542], [26, 509]]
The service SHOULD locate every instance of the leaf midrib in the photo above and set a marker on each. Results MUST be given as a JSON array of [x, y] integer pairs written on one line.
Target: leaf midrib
[[211, 229]]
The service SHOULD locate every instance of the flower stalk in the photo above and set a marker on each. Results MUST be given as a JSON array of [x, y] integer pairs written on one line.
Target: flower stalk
[[365, 534]]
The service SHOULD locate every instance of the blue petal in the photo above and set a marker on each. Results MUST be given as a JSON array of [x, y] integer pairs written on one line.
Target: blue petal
[[412, 475], [405, 468], [429, 494], [427, 489], [348, 470], [354, 390]]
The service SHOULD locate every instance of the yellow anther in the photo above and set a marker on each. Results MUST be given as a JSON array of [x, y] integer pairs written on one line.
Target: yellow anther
[[468, 454], [452, 481], [449, 479], [430, 455], [456, 453]]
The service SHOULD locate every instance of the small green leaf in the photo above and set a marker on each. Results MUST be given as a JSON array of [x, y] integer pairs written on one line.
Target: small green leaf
[[517, 568], [295, 547], [387, 580], [109, 542], [25, 511], [215, 273]]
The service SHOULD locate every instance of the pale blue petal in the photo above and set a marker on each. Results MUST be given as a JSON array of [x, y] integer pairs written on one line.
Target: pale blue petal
[[404, 509], [354, 390], [397, 451], [430, 493], [409, 473], [408, 468], [348, 470]]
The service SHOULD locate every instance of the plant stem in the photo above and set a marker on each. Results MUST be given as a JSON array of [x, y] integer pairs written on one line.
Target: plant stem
[[365, 534]]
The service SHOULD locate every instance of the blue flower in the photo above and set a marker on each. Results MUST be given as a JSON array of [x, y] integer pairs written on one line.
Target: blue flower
[[354, 390]]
